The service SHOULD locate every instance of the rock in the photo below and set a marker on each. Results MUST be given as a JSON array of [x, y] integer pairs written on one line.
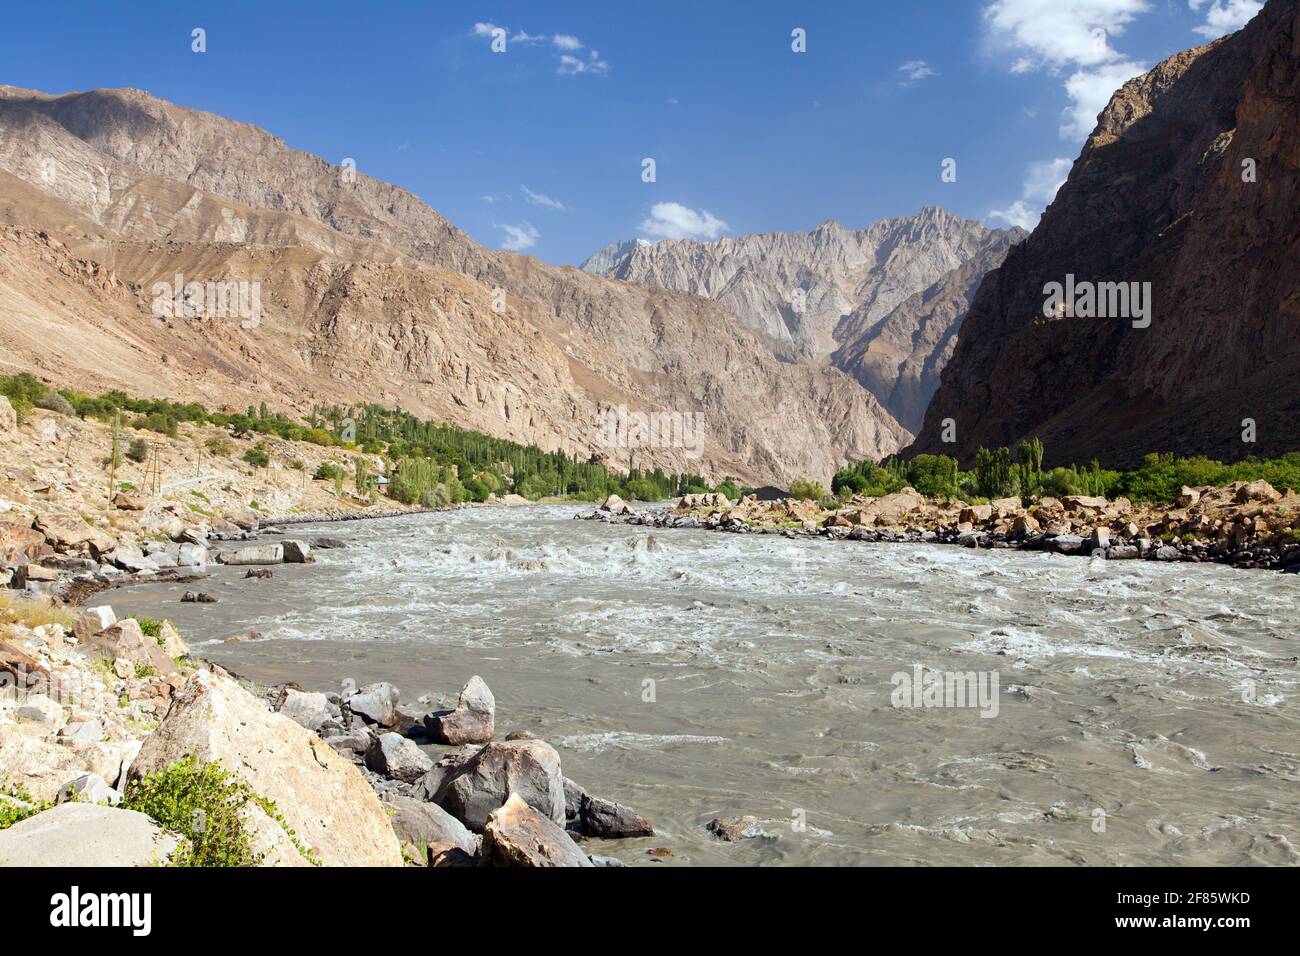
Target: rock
[[1187, 497], [307, 709], [191, 556], [320, 795], [891, 509], [1084, 503], [604, 819], [398, 758], [376, 703], [246, 519], [1065, 544], [733, 829], [197, 597], [296, 552], [1100, 538], [1256, 491], [473, 720], [42, 766], [125, 641], [1005, 507], [358, 739], [1168, 553], [37, 572], [517, 835], [326, 544], [125, 502], [1124, 552], [68, 533], [514, 501], [1024, 526], [426, 829], [122, 669], [976, 514], [8, 417], [530, 768], [41, 709], [263, 574], [254, 554], [82, 834], [82, 732], [170, 640], [249, 635], [89, 788]]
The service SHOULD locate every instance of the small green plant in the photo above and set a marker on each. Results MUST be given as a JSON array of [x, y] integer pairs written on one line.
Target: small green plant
[[17, 805], [807, 490], [144, 670], [201, 801], [258, 456], [138, 450], [216, 445], [148, 626]]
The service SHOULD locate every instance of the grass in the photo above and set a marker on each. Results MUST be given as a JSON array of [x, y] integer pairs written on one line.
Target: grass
[[11, 810], [34, 612]]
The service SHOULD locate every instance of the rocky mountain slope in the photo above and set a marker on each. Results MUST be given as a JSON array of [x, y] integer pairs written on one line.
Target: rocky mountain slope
[[367, 294], [830, 293], [1163, 192]]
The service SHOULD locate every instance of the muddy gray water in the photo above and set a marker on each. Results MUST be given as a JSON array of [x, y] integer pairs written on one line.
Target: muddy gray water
[[1146, 713]]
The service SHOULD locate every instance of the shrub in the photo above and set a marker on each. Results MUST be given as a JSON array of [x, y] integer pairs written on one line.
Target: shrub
[[807, 490], [217, 445], [327, 471], [258, 456], [11, 810], [138, 450], [201, 801], [54, 402]]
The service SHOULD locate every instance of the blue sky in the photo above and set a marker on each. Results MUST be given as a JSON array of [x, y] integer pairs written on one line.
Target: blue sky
[[541, 147]]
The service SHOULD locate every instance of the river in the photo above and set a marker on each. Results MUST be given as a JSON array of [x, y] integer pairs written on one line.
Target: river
[[1145, 713]]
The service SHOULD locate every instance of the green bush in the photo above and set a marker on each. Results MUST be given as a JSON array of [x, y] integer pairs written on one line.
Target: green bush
[[327, 471], [10, 810], [138, 450], [807, 490], [216, 445], [258, 456], [54, 402]]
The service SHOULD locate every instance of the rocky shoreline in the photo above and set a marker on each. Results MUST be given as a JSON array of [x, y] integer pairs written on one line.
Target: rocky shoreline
[[96, 713], [1248, 525]]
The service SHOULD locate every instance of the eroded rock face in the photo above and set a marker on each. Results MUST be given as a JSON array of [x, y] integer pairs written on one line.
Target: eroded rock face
[[321, 795], [517, 835], [529, 768], [1158, 195]]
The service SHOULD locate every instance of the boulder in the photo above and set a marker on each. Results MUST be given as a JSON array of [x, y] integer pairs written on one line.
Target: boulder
[[615, 505], [529, 768], [376, 704], [8, 417], [82, 732], [254, 554], [125, 502], [473, 720], [82, 834], [319, 794], [1187, 497], [296, 552], [1083, 503], [1100, 538], [42, 766], [976, 514], [733, 829], [246, 519], [89, 788], [191, 555], [327, 544], [604, 819], [1006, 507], [398, 758], [1256, 491], [66, 533], [1024, 526], [514, 501], [40, 709], [1065, 544], [891, 509], [125, 641], [517, 835], [426, 829], [170, 640], [130, 558], [197, 597], [308, 709]]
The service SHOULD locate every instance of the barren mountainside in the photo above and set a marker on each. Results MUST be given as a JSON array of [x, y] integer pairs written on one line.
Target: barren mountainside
[[830, 295], [1189, 182], [368, 294]]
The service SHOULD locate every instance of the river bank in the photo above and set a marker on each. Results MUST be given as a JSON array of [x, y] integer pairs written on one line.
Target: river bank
[[1249, 525]]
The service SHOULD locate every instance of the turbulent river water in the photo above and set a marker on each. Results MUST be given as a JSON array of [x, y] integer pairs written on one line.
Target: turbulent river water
[[1145, 713]]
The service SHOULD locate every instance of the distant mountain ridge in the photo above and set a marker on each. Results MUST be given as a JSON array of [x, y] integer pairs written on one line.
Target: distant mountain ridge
[[826, 295]]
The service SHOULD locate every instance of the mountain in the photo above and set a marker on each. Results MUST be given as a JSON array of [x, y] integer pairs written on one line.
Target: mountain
[[826, 296], [1190, 182], [367, 294]]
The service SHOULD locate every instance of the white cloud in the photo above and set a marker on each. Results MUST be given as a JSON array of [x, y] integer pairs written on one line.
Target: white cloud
[[671, 220], [1042, 181], [523, 36], [572, 66], [493, 200], [520, 237], [1056, 35], [566, 42], [539, 199], [914, 71], [484, 30], [1225, 16]]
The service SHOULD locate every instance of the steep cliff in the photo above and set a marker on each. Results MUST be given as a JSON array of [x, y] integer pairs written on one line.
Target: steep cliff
[[1188, 183]]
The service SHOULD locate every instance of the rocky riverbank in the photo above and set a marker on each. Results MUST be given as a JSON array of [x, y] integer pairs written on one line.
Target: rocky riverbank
[[98, 718], [1246, 525]]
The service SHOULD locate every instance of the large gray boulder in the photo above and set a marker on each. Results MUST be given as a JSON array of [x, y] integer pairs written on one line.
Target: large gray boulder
[[530, 768], [598, 817], [517, 835], [296, 552], [82, 834], [320, 795], [472, 722], [398, 758], [255, 554], [307, 709], [375, 703], [426, 829]]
